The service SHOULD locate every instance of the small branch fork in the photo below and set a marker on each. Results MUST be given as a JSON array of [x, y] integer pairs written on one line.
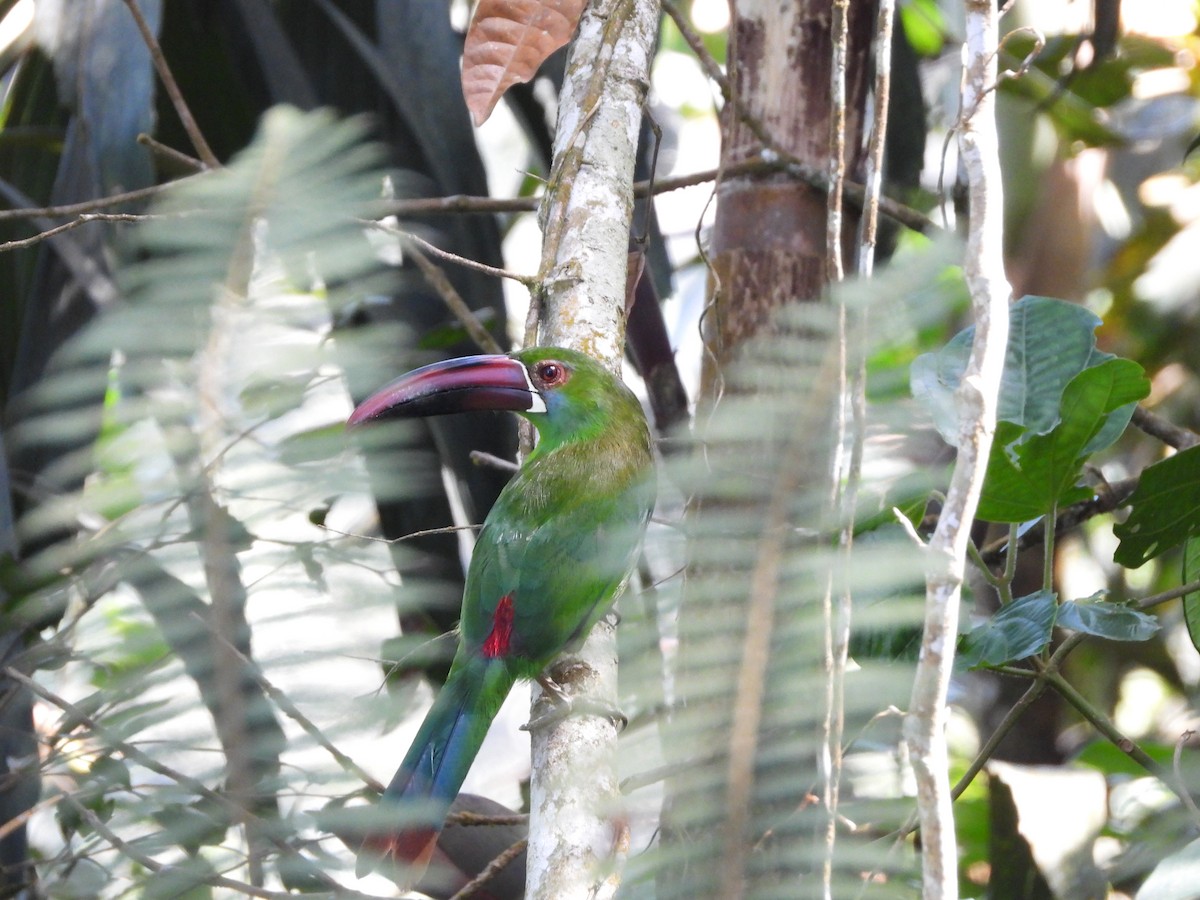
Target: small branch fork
[[172, 88]]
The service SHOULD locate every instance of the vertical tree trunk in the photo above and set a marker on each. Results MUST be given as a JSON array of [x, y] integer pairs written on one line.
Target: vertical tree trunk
[[768, 242], [744, 689], [575, 830]]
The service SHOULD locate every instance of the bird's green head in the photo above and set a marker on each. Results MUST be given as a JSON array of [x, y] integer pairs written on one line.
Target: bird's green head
[[566, 394]]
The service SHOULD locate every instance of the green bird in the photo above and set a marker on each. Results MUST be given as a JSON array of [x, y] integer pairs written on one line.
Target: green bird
[[554, 552]]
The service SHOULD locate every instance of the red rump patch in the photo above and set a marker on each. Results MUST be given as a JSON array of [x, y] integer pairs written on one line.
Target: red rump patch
[[496, 643], [411, 848]]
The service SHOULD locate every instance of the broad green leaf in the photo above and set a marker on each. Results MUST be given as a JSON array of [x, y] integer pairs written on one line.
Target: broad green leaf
[[1027, 478], [924, 26], [1111, 760], [1191, 602], [1076, 105], [1049, 343], [1018, 630], [1176, 877], [1106, 620], [1164, 510]]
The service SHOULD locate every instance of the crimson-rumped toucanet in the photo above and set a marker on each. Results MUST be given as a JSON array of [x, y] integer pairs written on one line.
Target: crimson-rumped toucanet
[[553, 553]]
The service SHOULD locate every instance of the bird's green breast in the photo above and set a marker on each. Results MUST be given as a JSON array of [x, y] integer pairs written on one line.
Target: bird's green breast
[[560, 541]]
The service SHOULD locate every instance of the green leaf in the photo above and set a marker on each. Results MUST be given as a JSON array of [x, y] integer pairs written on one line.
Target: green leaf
[[1191, 602], [1075, 104], [1164, 510], [192, 827], [189, 879], [110, 774], [924, 26], [1018, 630], [1049, 343], [1107, 620], [1176, 877], [1028, 475]]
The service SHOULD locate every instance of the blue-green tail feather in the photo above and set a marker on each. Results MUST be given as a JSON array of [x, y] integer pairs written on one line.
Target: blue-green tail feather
[[441, 755]]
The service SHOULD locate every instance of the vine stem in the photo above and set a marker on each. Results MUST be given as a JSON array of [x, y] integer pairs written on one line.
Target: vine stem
[[985, 752], [983, 265], [1122, 742]]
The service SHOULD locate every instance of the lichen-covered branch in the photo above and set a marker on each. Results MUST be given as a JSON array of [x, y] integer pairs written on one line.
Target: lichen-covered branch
[[924, 727], [574, 833]]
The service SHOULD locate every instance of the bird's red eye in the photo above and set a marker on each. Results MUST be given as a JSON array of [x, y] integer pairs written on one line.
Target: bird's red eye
[[551, 374]]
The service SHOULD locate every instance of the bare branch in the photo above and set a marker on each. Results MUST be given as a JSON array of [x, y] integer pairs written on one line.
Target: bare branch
[[85, 219], [487, 459], [170, 153], [840, 35], [1166, 431], [454, 302], [455, 259], [924, 727], [74, 209], [696, 43], [586, 219], [172, 88], [491, 870], [153, 865], [868, 223], [855, 193]]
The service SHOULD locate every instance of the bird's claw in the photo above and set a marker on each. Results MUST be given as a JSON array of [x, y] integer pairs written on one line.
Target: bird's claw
[[561, 705]]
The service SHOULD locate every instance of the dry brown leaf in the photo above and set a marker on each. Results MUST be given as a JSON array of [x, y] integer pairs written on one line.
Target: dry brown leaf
[[507, 41]]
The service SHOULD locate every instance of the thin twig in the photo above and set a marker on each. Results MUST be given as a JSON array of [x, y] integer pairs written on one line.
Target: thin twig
[[855, 193], [1001, 731], [692, 38], [869, 220], [74, 209], [470, 819], [237, 812], [175, 156], [153, 865], [1105, 726], [490, 871], [408, 238], [425, 532], [172, 88], [840, 37], [1174, 593], [290, 710], [836, 615], [983, 266], [85, 219], [21, 818], [454, 302], [480, 458]]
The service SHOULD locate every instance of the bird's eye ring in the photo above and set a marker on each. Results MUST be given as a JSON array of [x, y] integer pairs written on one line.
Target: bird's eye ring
[[550, 373]]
